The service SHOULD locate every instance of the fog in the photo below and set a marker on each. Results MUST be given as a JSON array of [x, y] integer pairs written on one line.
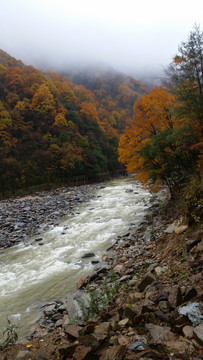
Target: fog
[[136, 37]]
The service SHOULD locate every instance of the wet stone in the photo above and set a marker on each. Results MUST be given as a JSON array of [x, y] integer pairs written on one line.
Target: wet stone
[[88, 255]]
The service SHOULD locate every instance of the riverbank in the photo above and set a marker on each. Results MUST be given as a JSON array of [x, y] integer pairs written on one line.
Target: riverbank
[[155, 276], [28, 216]]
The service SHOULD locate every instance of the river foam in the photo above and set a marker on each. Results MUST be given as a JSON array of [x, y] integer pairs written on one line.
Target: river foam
[[38, 273]]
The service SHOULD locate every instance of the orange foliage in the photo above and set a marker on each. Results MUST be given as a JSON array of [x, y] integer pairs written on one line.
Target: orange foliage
[[89, 111], [152, 115]]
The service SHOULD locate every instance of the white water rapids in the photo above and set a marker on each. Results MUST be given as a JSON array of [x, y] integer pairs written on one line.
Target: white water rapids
[[34, 275]]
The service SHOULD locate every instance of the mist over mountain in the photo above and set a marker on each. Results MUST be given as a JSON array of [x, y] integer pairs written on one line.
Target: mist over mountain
[[55, 128]]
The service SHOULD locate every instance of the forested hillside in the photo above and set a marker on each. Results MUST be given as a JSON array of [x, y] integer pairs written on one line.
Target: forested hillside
[[115, 92], [52, 129]]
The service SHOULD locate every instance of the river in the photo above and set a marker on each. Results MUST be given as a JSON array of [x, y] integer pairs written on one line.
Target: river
[[34, 275]]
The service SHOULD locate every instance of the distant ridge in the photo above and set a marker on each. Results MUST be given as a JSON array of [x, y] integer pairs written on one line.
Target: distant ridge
[[8, 60]]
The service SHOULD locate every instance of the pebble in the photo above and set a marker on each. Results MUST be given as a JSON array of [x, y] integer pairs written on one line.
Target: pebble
[[28, 216]]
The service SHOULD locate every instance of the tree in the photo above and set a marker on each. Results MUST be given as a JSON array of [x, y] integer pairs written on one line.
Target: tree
[[155, 144], [60, 120], [186, 73], [43, 101], [185, 79]]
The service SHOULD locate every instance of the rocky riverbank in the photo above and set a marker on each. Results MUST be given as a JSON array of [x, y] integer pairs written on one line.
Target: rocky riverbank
[[143, 301], [24, 217]]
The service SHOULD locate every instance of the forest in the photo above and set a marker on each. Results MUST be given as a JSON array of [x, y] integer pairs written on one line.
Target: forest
[[53, 128]]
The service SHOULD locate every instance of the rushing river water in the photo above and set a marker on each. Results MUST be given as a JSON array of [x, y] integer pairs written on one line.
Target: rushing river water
[[34, 275]]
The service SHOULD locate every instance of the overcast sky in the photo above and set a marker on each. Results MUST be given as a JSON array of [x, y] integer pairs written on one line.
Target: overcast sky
[[130, 35]]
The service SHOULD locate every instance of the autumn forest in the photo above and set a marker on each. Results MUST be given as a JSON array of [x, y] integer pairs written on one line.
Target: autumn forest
[[54, 128]]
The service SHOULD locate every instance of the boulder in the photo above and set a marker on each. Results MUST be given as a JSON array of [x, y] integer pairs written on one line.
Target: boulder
[[181, 349], [102, 330], [25, 355], [190, 294], [188, 331], [130, 312], [67, 350], [180, 229], [160, 333], [123, 323], [175, 297], [162, 316], [72, 330], [145, 281], [50, 310], [88, 255], [118, 268], [192, 243], [116, 352], [82, 352], [90, 340], [198, 333], [81, 282], [198, 249]]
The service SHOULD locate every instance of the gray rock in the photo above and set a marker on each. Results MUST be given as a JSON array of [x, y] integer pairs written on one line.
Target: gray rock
[[58, 323], [160, 333], [25, 355], [56, 316], [198, 333], [72, 330], [162, 316], [50, 310]]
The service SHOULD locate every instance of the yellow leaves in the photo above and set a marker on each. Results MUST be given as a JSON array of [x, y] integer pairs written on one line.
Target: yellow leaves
[[60, 120], [43, 100]]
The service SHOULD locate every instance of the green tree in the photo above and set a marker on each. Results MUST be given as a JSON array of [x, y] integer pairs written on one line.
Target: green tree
[[185, 79], [186, 76]]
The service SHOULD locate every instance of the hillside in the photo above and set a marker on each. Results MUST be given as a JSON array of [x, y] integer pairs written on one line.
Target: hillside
[[53, 130], [111, 88]]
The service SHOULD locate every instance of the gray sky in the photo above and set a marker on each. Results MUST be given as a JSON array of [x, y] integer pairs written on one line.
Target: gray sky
[[130, 35]]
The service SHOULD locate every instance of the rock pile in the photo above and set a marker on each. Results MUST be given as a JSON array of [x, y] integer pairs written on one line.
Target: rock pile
[[21, 218]]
